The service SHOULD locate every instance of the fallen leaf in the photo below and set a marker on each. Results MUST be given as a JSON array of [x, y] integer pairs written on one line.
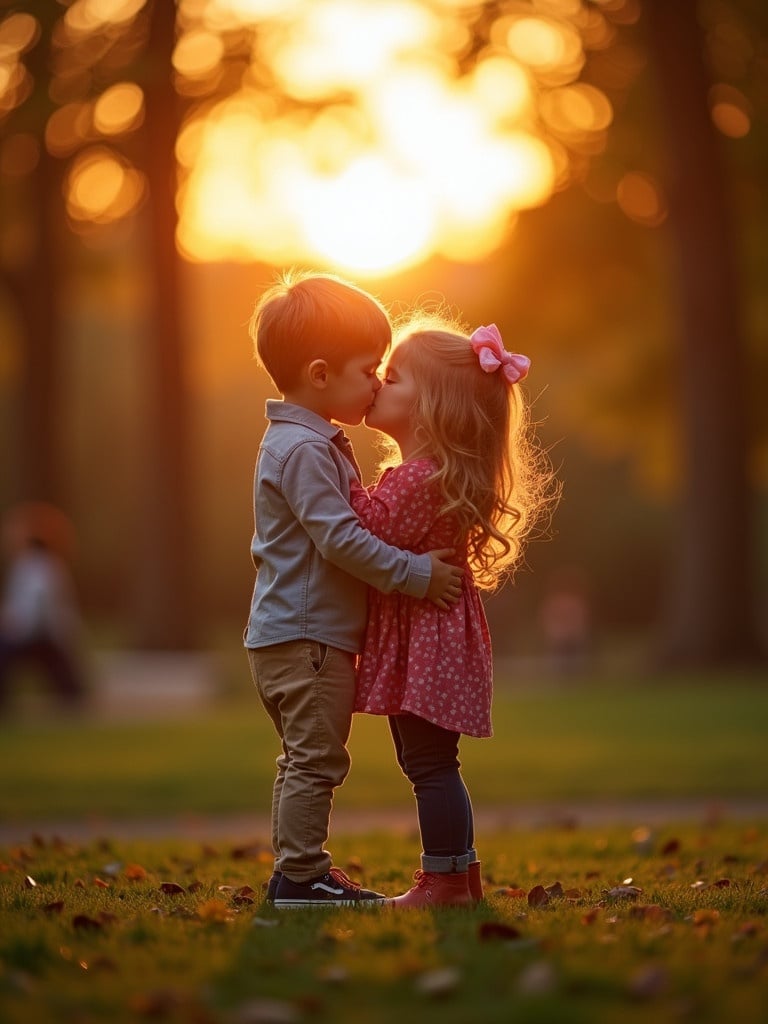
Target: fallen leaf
[[512, 893], [85, 923], [195, 886], [172, 888], [30, 883], [254, 851], [215, 911], [54, 908], [590, 916], [623, 892], [490, 930], [538, 896], [671, 846], [537, 979], [650, 912], [159, 1003], [334, 974], [642, 839], [264, 1011], [135, 873], [554, 891], [103, 963], [648, 982], [100, 883], [747, 930], [706, 916], [439, 982]]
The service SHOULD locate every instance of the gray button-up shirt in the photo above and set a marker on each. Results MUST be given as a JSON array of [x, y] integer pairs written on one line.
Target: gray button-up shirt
[[313, 558]]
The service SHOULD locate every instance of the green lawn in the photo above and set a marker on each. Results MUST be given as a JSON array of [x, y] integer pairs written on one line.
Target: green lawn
[[111, 933], [660, 738]]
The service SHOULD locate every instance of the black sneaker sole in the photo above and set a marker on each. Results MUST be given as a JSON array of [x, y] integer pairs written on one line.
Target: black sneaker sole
[[299, 904]]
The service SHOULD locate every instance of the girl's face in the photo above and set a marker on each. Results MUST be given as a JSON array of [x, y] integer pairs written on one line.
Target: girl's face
[[393, 412]]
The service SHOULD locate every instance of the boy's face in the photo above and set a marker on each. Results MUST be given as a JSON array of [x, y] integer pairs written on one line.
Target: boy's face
[[351, 389]]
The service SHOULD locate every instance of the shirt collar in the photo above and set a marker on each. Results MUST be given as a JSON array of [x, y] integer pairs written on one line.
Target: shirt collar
[[278, 411]]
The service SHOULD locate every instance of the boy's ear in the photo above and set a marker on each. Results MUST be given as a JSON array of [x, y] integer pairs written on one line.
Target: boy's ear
[[317, 373]]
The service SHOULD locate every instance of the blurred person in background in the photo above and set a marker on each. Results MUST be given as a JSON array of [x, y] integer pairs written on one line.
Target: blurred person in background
[[566, 622], [40, 624]]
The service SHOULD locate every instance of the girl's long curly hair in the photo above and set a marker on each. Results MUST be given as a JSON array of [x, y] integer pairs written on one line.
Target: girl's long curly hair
[[496, 480]]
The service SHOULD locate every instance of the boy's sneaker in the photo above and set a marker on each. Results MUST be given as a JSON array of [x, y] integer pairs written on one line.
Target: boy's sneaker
[[272, 886], [331, 890]]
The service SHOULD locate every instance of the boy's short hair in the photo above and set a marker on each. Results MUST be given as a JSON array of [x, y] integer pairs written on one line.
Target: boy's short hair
[[306, 316]]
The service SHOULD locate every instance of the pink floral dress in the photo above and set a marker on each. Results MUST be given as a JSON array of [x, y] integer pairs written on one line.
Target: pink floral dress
[[416, 658]]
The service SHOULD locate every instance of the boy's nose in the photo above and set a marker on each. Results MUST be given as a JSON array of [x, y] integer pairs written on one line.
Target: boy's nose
[[377, 384]]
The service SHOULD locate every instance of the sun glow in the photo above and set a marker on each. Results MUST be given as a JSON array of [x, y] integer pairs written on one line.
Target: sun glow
[[375, 146]]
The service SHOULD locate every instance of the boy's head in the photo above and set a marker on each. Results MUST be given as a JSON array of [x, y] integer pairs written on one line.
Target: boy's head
[[307, 316]]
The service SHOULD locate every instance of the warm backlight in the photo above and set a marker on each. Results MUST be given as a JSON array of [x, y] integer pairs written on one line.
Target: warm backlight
[[386, 152]]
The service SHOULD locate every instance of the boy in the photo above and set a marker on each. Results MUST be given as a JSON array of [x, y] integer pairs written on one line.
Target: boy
[[321, 341]]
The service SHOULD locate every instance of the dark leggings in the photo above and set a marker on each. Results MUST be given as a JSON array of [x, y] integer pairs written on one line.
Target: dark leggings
[[429, 757]]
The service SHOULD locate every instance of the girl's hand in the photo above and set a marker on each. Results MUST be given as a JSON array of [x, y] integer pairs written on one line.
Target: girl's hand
[[446, 580]]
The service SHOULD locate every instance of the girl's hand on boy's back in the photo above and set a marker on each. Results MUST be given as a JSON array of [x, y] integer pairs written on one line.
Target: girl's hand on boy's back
[[445, 582]]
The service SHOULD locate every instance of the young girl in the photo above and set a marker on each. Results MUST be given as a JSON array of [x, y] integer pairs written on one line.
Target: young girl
[[467, 479]]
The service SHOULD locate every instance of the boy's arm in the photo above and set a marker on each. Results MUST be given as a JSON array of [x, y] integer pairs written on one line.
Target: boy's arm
[[312, 488]]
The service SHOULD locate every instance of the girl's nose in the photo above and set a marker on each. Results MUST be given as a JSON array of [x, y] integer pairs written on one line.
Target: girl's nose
[[377, 383]]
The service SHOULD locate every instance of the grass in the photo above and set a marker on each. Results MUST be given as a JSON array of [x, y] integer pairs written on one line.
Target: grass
[[88, 934], [657, 738]]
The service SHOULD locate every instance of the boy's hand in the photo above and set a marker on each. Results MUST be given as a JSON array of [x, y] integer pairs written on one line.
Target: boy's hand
[[445, 584]]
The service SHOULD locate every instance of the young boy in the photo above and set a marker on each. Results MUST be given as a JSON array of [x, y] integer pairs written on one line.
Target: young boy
[[321, 341]]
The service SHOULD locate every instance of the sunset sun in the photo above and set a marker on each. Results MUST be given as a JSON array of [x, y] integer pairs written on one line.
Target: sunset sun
[[375, 145]]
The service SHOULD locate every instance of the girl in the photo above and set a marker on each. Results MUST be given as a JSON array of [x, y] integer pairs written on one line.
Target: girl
[[467, 478]]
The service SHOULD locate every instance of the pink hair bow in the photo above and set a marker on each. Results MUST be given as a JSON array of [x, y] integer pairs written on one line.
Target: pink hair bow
[[487, 344]]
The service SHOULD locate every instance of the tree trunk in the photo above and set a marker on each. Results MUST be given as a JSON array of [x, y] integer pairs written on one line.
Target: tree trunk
[[35, 286], [709, 618], [165, 616]]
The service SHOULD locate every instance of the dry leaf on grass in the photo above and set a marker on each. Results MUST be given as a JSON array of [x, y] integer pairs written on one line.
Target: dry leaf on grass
[[439, 982], [538, 896], [648, 982], [489, 930], [264, 1011]]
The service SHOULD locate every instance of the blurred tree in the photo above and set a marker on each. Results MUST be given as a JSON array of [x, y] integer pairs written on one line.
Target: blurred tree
[[31, 268], [64, 61], [710, 616], [166, 613]]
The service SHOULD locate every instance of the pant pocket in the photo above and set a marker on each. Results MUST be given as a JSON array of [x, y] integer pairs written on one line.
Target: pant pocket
[[318, 655]]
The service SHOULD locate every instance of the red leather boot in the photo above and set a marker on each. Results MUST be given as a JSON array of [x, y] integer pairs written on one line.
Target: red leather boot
[[436, 890], [475, 881]]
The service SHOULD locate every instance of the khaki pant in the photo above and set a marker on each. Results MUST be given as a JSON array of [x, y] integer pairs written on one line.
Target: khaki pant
[[308, 690]]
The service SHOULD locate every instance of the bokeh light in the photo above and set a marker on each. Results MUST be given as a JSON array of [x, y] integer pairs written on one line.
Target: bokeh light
[[359, 136]]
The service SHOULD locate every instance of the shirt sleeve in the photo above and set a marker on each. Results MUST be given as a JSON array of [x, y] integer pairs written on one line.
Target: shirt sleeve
[[401, 508], [312, 486]]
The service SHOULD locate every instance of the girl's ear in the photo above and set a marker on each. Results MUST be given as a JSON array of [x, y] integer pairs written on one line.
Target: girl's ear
[[317, 374]]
